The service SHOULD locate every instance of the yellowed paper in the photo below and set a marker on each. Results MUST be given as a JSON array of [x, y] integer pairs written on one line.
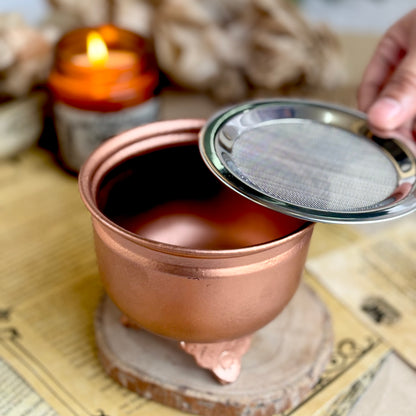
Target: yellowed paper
[[392, 392], [376, 278], [17, 397], [356, 358], [50, 289], [330, 237]]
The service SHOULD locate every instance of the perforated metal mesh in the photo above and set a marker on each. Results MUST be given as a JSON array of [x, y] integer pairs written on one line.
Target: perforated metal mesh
[[312, 165]]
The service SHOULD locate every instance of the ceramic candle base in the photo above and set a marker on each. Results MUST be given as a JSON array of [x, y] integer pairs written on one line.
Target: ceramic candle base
[[97, 97], [79, 131]]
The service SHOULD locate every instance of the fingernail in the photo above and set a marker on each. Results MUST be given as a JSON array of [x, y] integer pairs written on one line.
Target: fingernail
[[385, 109]]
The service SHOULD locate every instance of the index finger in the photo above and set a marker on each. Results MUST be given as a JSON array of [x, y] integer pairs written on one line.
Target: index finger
[[389, 52]]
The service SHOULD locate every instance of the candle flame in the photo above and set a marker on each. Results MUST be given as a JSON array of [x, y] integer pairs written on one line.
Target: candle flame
[[97, 51]]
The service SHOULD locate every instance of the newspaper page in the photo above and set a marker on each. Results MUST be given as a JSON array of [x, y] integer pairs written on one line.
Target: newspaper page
[[50, 289], [376, 279]]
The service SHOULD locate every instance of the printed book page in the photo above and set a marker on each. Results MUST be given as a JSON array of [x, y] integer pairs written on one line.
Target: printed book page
[[376, 279], [18, 397], [50, 289]]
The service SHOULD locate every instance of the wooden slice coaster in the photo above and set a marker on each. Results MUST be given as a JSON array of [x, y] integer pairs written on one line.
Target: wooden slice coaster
[[284, 362]]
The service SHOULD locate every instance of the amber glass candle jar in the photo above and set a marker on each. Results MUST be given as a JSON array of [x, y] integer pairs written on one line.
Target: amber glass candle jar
[[104, 81]]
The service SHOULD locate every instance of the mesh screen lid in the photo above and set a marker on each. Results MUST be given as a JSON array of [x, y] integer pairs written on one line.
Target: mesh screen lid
[[310, 160]]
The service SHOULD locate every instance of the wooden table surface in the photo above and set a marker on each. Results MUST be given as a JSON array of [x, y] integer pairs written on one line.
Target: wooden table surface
[[49, 291]]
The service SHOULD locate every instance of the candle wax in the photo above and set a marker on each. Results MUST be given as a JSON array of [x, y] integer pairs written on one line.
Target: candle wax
[[116, 59]]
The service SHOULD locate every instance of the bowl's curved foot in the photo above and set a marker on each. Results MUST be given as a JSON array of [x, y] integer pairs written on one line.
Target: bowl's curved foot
[[223, 359], [128, 323]]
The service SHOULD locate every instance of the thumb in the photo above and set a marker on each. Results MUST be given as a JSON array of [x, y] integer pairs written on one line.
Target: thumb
[[396, 103]]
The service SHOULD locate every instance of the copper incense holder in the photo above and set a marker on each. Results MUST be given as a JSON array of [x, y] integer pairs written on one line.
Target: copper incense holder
[[182, 255]]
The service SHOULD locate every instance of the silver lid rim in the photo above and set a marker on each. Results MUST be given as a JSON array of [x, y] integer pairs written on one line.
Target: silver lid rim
[[400, 205]]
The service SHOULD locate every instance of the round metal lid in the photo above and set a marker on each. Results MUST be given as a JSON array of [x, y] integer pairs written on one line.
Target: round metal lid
[[311, 160]]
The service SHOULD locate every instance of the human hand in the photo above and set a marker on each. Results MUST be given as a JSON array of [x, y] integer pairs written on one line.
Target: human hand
[[387, 92]]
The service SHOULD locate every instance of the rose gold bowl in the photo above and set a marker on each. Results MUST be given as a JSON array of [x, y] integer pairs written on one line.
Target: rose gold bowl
[[179, 253]]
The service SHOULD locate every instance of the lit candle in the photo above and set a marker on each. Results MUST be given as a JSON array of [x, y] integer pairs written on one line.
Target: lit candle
[[98, 55], [103, 82]]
